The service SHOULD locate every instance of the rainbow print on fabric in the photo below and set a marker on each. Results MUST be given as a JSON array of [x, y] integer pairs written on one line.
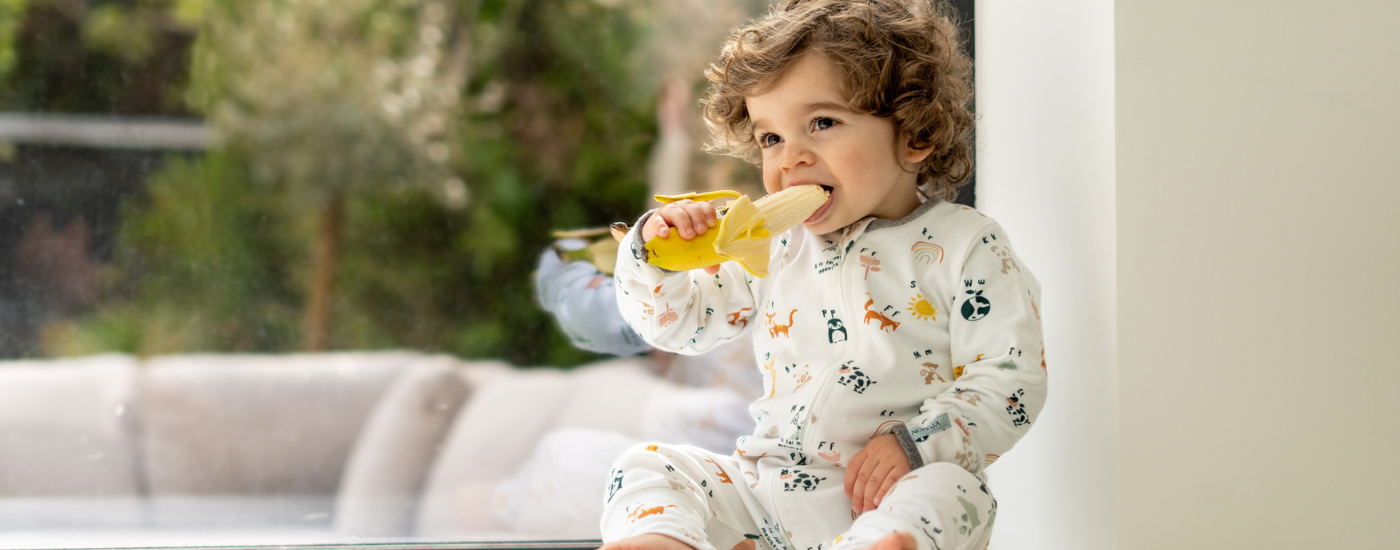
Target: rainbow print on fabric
[[927, 252], [885, 428]]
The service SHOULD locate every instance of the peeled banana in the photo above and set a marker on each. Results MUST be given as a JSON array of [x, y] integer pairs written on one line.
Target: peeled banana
[[743, 233]]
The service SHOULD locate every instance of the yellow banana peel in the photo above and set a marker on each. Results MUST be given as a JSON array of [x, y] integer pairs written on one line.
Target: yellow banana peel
[[743, 234]]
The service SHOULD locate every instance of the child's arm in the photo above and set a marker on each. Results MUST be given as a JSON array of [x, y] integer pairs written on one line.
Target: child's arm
[[581, 298], [683, 312], [999, 377], [998, 357]]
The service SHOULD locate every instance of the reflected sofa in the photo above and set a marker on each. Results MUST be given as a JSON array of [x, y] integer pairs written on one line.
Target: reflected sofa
[[283, 449]]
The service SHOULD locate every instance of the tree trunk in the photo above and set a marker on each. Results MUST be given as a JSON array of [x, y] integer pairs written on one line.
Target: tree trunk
[[316, 328]]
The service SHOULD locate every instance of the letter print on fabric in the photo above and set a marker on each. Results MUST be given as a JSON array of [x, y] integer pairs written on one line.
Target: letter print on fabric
[[869, 261], [977, 307], [827, 451], [1016, 409], [929, 371], [879, 315], [835, 328], [927, 253], [831, 263]]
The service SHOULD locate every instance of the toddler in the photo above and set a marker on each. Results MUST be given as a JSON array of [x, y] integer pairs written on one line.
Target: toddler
[[898, 333]]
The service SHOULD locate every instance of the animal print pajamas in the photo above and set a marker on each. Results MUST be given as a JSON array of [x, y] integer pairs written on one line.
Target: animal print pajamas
[[930, 320]]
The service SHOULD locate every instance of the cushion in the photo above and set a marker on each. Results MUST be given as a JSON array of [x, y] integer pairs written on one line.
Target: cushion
[[558, 493], [245, 425], [500, 430], [379, 492], [67, 428], [491, 437], [610, 396]]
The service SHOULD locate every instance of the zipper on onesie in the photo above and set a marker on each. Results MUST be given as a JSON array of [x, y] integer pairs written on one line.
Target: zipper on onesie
[[824, 388], [776, 531]]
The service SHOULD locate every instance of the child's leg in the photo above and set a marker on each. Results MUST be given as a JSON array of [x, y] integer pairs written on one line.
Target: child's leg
[[944, 506], [686, 493]]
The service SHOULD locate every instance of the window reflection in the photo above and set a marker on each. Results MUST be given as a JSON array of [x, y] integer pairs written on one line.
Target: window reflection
[[288, 272]]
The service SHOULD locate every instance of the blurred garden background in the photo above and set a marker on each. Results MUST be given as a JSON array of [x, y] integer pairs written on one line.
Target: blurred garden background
[[371, 174]]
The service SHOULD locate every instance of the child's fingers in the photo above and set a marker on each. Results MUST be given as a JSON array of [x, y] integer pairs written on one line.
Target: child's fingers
[[872, 484], [688, 217], [702, 215], [860, 494], [852, 470], [858, 498], [655, 227], [896, 472], [675, 215]]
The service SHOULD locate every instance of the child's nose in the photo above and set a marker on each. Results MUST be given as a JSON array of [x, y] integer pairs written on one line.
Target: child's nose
[[797, 153]]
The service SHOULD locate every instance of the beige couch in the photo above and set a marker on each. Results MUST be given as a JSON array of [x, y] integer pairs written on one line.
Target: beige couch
[[296, 448]]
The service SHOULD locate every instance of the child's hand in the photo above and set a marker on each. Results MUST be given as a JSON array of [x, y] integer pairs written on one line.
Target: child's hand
[[690, 218], [873, 470]]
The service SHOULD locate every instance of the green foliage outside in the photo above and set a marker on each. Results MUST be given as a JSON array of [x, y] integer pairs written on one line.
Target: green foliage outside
[[10, 12], [96, 56], [550, 129], [203, 265]]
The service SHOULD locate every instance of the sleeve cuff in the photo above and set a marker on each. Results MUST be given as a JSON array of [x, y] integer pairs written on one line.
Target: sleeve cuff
[[911, 451], [945, 438], [638, 246]]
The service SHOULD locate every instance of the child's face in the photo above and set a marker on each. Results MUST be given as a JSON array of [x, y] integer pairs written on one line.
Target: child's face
[[809, 135]]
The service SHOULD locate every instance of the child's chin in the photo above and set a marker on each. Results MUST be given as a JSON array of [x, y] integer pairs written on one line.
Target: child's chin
[[820, 227]]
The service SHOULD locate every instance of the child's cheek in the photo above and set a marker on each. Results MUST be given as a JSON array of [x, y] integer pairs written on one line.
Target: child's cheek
[[849, 165], [772, 178]]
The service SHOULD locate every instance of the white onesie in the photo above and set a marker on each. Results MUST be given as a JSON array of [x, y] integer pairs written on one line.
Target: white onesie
[[930, 320]]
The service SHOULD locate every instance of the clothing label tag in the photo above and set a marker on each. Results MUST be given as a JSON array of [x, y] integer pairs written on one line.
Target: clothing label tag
[[938, 424]]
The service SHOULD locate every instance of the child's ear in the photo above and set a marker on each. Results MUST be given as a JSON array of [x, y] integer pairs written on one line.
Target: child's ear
[[911, 155]]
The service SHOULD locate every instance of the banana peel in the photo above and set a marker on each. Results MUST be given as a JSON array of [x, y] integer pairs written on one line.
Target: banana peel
[[743, 234]]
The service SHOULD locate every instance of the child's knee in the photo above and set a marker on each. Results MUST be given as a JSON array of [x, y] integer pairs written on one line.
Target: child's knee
[[945, 476], [941, 504], [653, 465], [646, 456], [947, 487]]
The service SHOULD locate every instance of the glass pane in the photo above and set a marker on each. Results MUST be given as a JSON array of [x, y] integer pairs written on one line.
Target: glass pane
[[271, 271], [334, 273]]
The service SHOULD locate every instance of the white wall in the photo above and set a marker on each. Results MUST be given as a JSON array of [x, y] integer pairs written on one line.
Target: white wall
[[1259, 273], [1046, 171]]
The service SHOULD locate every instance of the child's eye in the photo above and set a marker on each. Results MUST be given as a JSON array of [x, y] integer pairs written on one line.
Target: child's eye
[[822, 123], [768, 140]]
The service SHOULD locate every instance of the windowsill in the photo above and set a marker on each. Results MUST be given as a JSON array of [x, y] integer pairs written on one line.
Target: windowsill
[[203, 540]]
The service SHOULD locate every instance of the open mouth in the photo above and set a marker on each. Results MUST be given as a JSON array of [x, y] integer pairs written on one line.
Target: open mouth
[[822, 211]]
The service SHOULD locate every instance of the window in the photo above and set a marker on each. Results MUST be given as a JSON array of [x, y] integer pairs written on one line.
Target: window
[[268, 269]]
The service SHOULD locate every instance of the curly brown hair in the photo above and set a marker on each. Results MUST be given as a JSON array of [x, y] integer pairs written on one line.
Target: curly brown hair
[[900, 59]]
